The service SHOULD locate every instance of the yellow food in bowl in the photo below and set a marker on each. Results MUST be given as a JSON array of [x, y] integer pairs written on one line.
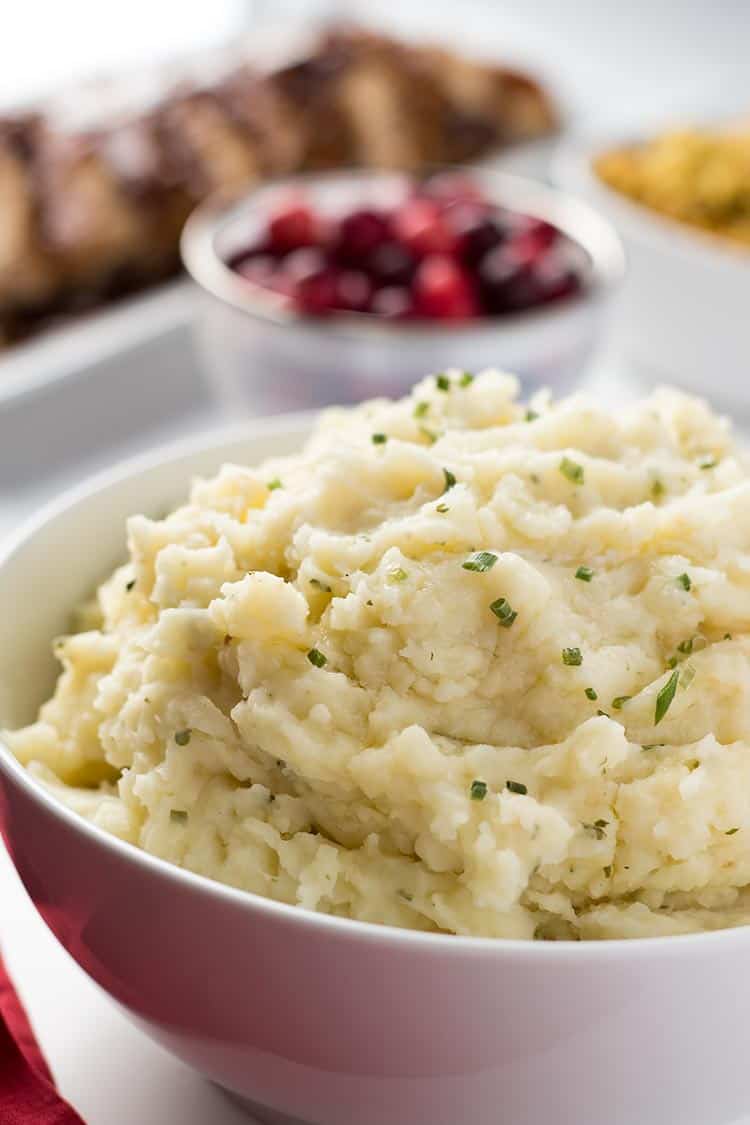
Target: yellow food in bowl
[[461, 665], [696, 176]]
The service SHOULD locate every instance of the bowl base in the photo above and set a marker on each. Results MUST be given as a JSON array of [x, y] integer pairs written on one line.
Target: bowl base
[[263, 1114]]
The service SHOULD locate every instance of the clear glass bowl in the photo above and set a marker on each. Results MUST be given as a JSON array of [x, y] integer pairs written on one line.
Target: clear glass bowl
[[265, 357]]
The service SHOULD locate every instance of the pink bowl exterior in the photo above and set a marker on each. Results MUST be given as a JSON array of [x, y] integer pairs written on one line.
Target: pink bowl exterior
[[334, 1022]]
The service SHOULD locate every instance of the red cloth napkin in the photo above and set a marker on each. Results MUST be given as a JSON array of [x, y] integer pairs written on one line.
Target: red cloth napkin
[[28, 1095]]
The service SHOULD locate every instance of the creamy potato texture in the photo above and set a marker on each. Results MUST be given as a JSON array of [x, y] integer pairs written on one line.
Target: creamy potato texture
[[462, 665]]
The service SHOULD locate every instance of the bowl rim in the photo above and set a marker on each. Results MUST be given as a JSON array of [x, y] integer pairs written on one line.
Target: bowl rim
[[572, 167], [298, 425], [575, 217]]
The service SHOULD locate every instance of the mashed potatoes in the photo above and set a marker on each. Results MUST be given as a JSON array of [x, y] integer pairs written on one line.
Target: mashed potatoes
[[461, 665]]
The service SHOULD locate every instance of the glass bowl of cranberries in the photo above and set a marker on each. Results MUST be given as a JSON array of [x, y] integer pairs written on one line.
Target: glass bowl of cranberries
[[340, 286]]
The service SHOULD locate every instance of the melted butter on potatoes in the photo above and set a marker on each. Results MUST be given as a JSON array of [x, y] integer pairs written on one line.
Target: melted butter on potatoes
[[462, 664]]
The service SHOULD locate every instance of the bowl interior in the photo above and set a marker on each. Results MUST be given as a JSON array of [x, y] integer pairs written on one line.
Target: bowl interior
[[56, 561]]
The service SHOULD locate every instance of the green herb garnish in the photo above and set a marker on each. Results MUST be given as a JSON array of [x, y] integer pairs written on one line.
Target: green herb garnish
[[530, 415], [657, 488], [653, 746], [619, 701], [684, 581], [397, 575], [478, 790], [320, 585], [584, 573], [178, 816], [572, 657], [607, 870], [480, 562], [686, 647], [442, 508], [731, 831], [466, 379], [572, 470], [316, 657], [504, 612], [274, 484], [442, 382], [516, 787], [421, 409], [182, 737], [379, 439], [591, 694], [429, 434], [450, 480], [709, 462], [129, 585], [665, 697]]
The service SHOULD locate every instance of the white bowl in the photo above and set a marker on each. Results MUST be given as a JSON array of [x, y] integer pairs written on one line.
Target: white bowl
[[263, 353], [315, 1018], [682, 313]]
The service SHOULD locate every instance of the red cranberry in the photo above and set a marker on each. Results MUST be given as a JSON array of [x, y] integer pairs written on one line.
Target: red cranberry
[[420, 226], [359, 234], [291, 227], [532, 241], [353, 291], [257, 268], [302, 263], [443, 290], [317, 295], [477, 238], [507, 282], [391, 264], [393, 302]]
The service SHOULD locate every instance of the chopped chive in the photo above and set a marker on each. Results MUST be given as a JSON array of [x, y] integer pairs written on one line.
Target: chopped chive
[[685, 581], [274, 484], [480, 562], [450, 480], [178, 816], [478, 790], [572, 657], [429, 434], [686, 647], [320, 585], [442, 508], [466, 379], [607, 870], [398, 574], [731, 831], [657, 488], [504, 612], [516, 787], [591, 694], [653, 746], [603, 714], [709, 462], [379, 439], [672, 662], [129, 585], [530, 415], [727, 637], [182, 737], [601, 823], [442, 382], [572, 470], [316, 657], [620, 700], [584, 573], [665, 697], [421, 409]]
